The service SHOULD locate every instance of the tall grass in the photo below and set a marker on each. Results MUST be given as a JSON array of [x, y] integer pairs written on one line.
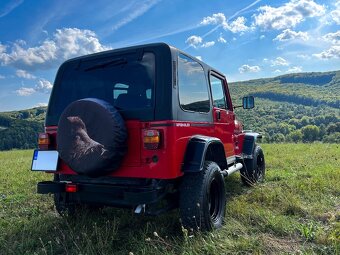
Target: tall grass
[[296, 210]]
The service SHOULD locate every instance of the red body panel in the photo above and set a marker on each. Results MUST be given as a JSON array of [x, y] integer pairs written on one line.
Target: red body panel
[[165, 162], [224, 129]]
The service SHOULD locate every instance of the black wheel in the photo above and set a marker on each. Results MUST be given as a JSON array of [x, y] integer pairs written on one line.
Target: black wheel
[[254, 169], [202, 199], [61, 203], [62, 208]]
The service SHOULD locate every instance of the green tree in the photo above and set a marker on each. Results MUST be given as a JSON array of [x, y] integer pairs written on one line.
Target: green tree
[[295, 136], [278, 138], [305, 121], [310, 133], [333, 127], [285, 128], [332, 138]]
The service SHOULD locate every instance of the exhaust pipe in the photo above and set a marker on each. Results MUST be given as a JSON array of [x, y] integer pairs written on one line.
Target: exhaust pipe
[[140, 209], [232, 169]]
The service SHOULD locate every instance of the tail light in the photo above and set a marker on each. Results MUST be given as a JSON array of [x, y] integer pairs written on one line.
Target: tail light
[[43, 141], [151, 139], [71, 188]]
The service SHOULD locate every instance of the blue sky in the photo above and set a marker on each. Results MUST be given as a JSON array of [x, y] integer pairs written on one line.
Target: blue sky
[[243, 39]]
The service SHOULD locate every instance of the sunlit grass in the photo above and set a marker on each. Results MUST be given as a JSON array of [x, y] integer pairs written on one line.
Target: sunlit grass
[[295, 211]]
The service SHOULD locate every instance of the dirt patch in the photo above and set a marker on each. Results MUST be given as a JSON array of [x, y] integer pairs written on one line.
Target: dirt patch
[[277, 245], [332, 216]]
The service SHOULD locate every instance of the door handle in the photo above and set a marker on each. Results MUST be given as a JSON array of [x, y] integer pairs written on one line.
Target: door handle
[[218, 115]]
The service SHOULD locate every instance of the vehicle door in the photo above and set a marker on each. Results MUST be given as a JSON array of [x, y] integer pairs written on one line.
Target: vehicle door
[[223, 115]]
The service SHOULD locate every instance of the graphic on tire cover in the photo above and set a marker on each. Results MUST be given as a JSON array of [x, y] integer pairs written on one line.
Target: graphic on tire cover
[[83, 145], [91, 137]]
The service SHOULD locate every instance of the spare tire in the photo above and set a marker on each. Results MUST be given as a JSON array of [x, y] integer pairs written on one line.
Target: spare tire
[[91, 137]]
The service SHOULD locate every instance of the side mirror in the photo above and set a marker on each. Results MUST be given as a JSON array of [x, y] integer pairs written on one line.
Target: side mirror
[[248, 102]]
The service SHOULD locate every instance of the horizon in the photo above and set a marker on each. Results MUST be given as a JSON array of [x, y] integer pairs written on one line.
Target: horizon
[[244, 40], [229, 83]]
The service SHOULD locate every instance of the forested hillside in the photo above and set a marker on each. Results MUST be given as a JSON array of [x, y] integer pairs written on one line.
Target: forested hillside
[[19, 129], [302, 107], [293, 107]]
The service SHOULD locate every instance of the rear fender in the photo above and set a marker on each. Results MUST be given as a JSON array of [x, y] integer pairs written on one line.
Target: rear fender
[[201, 149]]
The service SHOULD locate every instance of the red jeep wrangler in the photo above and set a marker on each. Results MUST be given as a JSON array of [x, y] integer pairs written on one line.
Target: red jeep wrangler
[[146, 127]]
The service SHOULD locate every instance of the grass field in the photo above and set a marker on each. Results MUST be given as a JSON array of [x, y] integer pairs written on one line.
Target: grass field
[[296, 211]]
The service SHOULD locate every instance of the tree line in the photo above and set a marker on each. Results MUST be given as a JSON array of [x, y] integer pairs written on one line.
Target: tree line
[[19, 134]]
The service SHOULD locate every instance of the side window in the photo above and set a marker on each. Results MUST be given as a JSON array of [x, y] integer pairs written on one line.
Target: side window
[[217, 90], [193, 90]]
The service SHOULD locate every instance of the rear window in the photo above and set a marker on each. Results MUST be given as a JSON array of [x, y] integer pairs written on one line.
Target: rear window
[[126, 81]]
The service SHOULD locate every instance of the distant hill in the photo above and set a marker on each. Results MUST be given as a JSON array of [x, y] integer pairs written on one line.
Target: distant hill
[[311, 89], [293, 107], [289, 108], [19, 129]]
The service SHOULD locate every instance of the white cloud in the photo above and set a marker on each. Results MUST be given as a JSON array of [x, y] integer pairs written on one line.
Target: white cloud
[[9, 7], [249, 69], [24, 74], [288, 34], [41, 105], [215, 19], [25, 91], [303, 56], [277, 71], [262, 37], [2, 76], [197, 42], [335, 14], [2, 48], [140, 8], [194, 41], [238, 25], [332, 37], [65, 43], [279, 61], [332, 52], [288, 15], [221, 39], [208, 44], [42, 86], [295, 69]]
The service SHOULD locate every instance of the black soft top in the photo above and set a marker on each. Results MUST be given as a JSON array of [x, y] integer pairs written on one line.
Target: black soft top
[[165, 79]]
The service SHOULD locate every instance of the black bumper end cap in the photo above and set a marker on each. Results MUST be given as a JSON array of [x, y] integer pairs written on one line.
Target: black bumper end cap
[[47, 187]]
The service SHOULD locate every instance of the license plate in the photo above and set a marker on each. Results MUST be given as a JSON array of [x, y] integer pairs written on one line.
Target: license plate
[[45, 160]]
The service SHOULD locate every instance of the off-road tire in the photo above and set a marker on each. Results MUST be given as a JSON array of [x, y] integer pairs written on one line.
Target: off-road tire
[[203, 198], [254, 169]]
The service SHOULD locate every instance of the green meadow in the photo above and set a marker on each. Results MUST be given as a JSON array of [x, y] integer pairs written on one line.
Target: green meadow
[[295, 211]]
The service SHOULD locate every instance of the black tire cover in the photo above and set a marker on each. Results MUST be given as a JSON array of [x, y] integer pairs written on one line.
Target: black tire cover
[[91, 137]]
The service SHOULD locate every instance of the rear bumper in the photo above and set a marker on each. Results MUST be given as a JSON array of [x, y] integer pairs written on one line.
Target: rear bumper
[[104, 194]]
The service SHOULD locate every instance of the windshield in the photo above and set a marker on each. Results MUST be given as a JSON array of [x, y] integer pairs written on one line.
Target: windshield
[[125, 81]]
